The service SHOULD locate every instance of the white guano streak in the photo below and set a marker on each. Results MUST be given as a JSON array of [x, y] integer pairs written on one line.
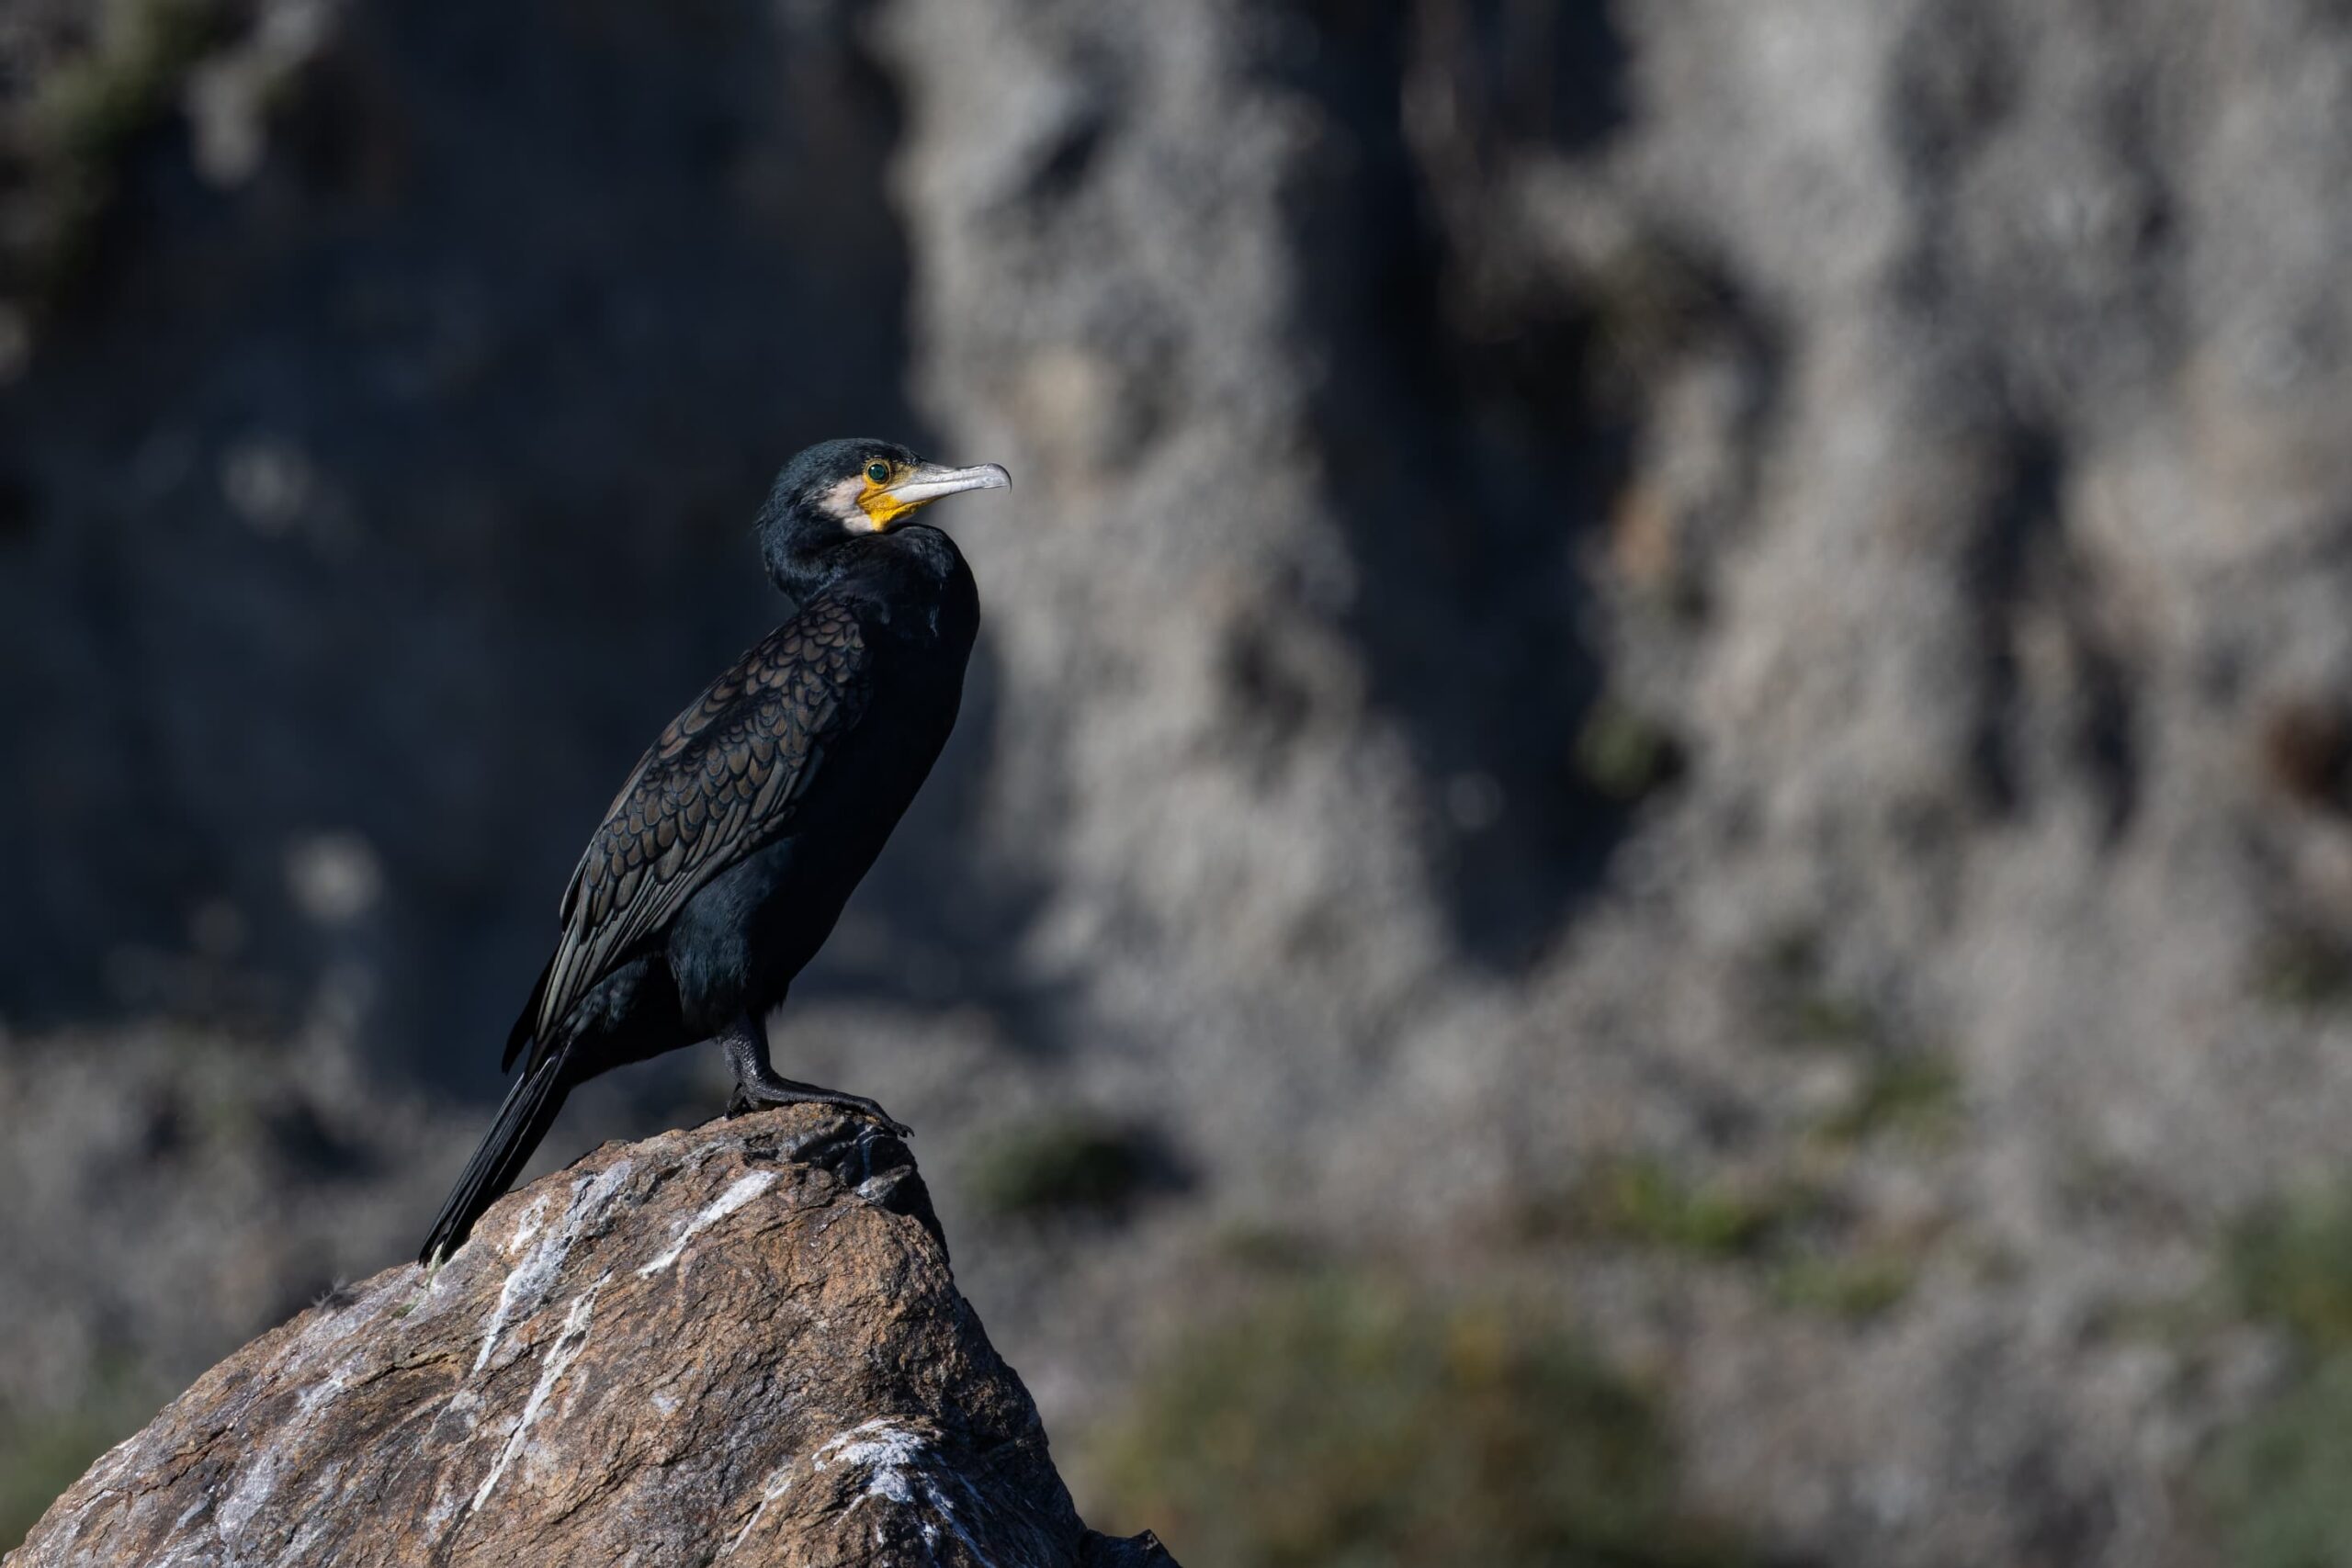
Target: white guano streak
[[560, 1355], [528, 1283], [895, 1460], [744, 1190]]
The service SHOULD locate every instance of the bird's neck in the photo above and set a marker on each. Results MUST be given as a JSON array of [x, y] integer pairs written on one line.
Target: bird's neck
[[909, 558], [804, 561], [799, 580]]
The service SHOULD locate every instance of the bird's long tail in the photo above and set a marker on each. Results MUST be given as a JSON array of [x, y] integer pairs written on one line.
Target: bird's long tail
[[529, 1110]]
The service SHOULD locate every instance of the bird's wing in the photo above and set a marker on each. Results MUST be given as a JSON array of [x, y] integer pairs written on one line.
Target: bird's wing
[[722, 781]]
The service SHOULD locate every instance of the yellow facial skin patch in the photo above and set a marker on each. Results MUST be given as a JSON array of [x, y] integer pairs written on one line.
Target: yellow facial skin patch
[[881, 507]]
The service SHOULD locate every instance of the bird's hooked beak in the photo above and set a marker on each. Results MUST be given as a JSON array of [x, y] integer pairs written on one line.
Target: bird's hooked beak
[[929, 482], [920, 484]]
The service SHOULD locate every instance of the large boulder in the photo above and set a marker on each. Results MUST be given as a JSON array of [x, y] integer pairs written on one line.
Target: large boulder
[[741, 1341]]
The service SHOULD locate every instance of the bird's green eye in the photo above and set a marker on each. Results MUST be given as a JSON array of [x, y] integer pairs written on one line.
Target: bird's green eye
[[878, 472]]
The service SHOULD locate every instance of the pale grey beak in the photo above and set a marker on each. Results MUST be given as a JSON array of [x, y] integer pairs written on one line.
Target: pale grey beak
[[929, 482]]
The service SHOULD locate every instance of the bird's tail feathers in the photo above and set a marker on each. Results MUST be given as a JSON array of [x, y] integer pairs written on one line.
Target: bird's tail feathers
[[529, 1110]]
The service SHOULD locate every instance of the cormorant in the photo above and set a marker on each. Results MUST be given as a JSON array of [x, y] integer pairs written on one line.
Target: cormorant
[[723, 862]]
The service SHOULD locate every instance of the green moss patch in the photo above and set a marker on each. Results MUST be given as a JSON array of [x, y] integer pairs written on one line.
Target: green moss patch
[[1641, 1201], [1350, 1424], [2275, 1485]]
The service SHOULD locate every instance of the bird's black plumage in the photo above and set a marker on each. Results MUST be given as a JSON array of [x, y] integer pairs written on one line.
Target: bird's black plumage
[[722, 864]]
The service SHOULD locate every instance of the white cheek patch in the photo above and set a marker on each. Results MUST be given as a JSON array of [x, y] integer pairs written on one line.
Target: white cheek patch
[[841, 504]]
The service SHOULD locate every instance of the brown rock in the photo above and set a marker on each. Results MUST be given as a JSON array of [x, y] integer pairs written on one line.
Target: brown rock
[[739, 1342]]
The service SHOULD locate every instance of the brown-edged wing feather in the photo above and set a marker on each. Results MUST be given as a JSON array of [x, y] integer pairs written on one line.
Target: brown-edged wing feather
[[722, 781]]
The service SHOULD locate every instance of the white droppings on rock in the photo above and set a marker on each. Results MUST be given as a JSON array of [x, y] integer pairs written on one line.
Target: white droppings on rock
[[246, 1498], [881, 1447], [778, 1483], [887, 1455], [740, 1192], [308, 1401], [528, 1286], [443, 1509], [902, 1468], [946, 1511], [528, 1226], [560, 1355]]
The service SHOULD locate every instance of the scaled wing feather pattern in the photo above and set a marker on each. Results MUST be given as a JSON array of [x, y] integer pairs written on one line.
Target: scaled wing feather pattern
[[720, 782]]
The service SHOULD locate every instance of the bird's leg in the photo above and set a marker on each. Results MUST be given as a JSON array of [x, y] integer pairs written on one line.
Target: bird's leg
[[756, 1083]]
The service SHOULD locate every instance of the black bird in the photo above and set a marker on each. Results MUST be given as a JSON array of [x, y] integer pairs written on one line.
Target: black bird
[[724, 862]]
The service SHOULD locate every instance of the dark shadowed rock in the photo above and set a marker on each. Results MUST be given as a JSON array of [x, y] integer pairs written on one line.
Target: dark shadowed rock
[[741, 1341]]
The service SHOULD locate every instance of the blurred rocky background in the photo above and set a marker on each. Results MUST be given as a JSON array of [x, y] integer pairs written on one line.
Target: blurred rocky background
[[1651, 856]]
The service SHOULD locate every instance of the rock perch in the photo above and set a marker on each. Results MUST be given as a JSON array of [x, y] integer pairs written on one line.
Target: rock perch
[[738, 1343]]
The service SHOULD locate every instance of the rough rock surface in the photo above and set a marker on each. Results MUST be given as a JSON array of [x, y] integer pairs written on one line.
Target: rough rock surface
[[736, 1342]]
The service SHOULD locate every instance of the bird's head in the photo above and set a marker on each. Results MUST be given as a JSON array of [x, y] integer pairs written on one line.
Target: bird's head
[[837, 491]]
